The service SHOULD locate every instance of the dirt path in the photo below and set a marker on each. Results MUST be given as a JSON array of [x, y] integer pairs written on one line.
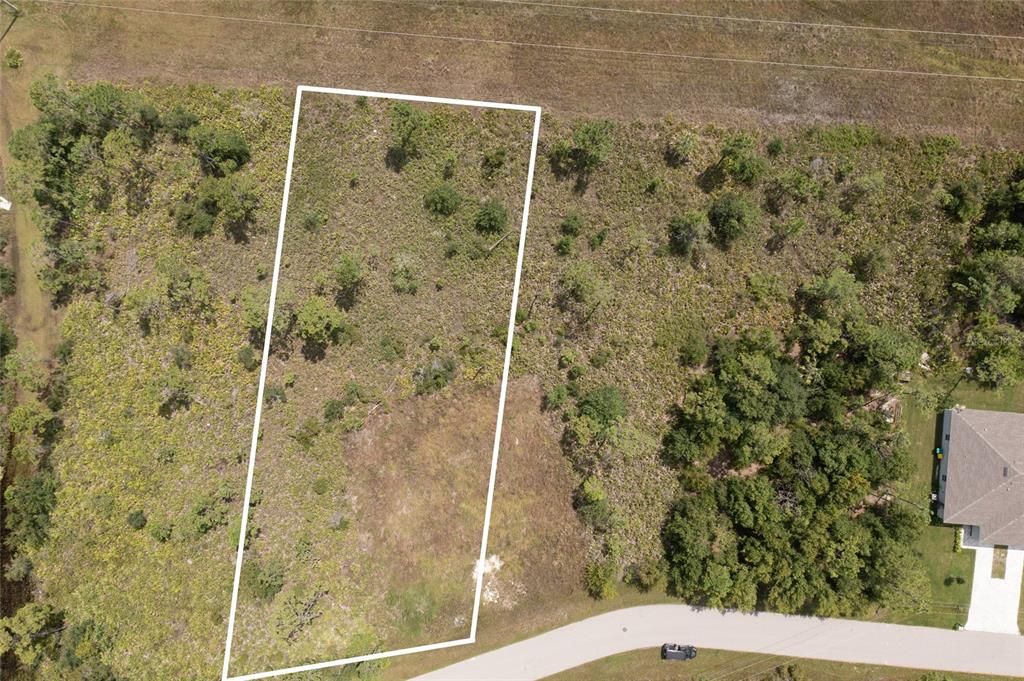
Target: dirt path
[[29, 310], [34, 319]]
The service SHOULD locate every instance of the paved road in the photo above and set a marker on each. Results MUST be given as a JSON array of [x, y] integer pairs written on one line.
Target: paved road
[[827, 639]]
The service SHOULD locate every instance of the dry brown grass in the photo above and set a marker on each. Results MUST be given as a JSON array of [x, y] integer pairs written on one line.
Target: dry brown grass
[[120, 45]]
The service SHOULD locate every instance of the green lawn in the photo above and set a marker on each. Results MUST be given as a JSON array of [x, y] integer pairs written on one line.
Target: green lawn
[[728, 666], [950, 600]]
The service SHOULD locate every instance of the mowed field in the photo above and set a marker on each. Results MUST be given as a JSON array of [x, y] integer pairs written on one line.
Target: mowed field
[[600, 60]]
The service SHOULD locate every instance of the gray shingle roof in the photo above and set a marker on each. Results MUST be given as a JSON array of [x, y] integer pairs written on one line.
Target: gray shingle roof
[[985, 476]]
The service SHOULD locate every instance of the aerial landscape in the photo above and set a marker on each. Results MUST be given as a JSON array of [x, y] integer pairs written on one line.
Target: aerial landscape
[[764, 403]]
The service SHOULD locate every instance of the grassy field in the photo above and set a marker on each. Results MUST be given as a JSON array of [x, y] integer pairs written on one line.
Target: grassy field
[[717, 665]]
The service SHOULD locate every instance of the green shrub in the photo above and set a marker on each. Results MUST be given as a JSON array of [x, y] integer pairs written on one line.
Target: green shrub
[[582, 284], [448, 167], [680, 149], [597, 240], [996, 349], [589, 146], [963, 200], [334, 410], [318, 322], [348, 275], [492, 162], [572, 224], [435, 375], [261, 581], [592, 504], [274, 394], [313, 220], [693, 346], [599, 579], [8, 283], [13, 58], [220, 151], [178, 121], [604, 405], [28, 504], [403, 279], [687, 232], [307, 433], [442, 199], [161, 531], [246, 356], [740, 160], [137, 520], [491, 217], [731, 216], [20, 568], [165, 455], [764, 287], [647, 574], [564, 245], [871, 263], [392, 348], [408, 128], [556, 397]]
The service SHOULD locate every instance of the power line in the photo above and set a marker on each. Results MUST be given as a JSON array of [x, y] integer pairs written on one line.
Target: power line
[[756, 20], [549, 46]]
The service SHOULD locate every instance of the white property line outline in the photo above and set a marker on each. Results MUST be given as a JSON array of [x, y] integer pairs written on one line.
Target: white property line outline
[[266, 356]]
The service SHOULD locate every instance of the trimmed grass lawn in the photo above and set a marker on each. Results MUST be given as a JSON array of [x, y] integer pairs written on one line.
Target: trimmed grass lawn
[[728, 666], [950, 599]]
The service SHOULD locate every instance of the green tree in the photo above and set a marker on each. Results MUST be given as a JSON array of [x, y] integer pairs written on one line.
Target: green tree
[[491, 217], [220, 151], [319, 322], [604, 405], [688, 232], [30, 633], [178, 121], [741, 161], [29, 502], [731, 216], [442, 199], [408, 129]]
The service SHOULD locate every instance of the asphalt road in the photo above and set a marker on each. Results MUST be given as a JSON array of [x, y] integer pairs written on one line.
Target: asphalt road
[[789, 636]]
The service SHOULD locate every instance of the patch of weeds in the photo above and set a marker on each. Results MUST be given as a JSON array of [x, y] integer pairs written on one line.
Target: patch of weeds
[[435, 375], [307, 433], [274, 394], [492, 162], [261, 581], [403, 278]]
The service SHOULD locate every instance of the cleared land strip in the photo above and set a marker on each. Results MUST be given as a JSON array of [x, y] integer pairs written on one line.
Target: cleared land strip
[[554, 46], [791, 636]]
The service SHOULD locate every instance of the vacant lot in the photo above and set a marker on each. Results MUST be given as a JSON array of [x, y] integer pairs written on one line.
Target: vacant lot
[[396, 281]]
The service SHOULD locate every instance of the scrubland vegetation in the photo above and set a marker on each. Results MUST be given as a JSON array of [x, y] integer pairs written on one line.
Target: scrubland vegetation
[[395, 285], [724, 324]]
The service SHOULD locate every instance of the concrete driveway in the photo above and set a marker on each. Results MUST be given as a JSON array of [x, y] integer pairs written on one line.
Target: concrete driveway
[[791, 636], [994, 600]]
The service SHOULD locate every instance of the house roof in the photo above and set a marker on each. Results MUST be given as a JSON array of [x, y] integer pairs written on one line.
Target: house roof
[[985, 474]]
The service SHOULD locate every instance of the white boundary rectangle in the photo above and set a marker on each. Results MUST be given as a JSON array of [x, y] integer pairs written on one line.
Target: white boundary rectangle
[[263, 377]]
